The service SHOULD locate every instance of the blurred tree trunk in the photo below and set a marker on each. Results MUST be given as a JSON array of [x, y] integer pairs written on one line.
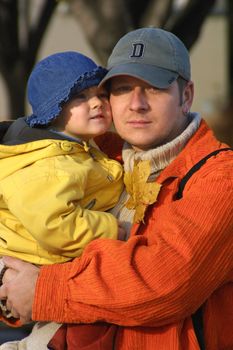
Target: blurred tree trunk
[[19, 43]]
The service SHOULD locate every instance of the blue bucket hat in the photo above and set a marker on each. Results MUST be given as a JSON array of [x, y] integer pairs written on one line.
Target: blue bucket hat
[[57, 78]]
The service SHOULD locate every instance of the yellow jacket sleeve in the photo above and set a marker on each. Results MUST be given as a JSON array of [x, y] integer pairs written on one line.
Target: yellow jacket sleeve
[[47, 203]]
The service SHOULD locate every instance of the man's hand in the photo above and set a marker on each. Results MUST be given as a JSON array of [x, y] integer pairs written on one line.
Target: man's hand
[[18, 287]]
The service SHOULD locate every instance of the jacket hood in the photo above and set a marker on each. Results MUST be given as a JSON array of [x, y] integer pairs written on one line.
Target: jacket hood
[[21, 145], [18, 132]]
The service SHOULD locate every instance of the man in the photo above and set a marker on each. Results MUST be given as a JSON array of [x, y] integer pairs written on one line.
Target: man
[[179, 254]]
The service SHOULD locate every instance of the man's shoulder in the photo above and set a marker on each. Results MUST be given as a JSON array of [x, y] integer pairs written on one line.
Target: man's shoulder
[[203, 143], [111, 144], [205, 152]]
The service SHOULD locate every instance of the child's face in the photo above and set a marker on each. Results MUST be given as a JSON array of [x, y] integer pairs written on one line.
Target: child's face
[[86, 115]]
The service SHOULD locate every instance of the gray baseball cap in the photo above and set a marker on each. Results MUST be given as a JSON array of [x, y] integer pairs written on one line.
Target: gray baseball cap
[[150, 54]]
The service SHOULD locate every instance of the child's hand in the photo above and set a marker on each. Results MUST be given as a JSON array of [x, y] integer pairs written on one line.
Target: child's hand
[[121, 232]]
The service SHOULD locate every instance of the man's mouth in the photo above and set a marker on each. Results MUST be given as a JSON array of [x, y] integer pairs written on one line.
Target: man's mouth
[[138, 122]]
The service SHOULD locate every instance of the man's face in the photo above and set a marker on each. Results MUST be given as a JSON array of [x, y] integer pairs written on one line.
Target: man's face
[[147, 117]]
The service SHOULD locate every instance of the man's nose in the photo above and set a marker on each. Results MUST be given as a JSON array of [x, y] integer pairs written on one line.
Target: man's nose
[[138, 99]]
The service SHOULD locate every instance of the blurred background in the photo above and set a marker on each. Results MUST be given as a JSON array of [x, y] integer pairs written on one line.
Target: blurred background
[[33, 29]]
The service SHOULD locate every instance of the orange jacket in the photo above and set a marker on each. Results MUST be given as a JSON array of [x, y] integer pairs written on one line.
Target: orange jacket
[[180, 258]]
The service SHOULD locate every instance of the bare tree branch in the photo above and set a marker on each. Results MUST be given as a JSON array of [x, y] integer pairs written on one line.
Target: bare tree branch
[[104, 22], [187, 23], [37, 31], [137, 9], [157, 13]]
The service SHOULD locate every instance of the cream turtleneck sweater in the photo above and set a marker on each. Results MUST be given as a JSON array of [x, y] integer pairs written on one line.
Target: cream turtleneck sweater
[[160, 157]]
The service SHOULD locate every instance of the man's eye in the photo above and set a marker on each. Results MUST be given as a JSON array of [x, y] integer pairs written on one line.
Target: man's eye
[[153, 90], [121, 89]]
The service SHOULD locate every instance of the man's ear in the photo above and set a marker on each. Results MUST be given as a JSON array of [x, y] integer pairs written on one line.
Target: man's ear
[[187, 97]]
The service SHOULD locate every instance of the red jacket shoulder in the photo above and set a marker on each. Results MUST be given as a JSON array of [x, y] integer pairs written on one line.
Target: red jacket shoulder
[[111, 144]]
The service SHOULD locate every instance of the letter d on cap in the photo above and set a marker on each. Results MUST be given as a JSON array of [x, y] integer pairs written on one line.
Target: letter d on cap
[[138, 50]]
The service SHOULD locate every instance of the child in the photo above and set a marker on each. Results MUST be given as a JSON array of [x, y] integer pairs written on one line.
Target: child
[[55, 187]]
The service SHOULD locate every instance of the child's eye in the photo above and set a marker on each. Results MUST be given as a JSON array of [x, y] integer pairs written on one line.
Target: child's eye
[[80, 96], [104, 95]]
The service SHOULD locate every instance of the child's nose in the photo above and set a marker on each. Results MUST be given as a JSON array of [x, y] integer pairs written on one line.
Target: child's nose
[[95, 102]]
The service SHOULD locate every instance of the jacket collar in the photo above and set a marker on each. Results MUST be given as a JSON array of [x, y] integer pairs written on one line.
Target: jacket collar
[[201, 143], [18, 132]]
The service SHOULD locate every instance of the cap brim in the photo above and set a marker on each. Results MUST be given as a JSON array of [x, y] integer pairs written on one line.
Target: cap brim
[[153, 75]]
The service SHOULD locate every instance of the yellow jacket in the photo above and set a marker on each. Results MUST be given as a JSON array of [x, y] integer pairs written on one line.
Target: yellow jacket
[[47, 188]]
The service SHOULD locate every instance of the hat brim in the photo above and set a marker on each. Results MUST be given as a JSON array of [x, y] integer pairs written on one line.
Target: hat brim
[[46, 112], [153, 75]]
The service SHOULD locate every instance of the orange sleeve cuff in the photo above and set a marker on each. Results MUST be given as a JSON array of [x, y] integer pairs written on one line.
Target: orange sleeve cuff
[[52, 282]]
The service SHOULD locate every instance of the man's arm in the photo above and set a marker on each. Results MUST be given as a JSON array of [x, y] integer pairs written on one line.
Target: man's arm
[[152, 279]]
